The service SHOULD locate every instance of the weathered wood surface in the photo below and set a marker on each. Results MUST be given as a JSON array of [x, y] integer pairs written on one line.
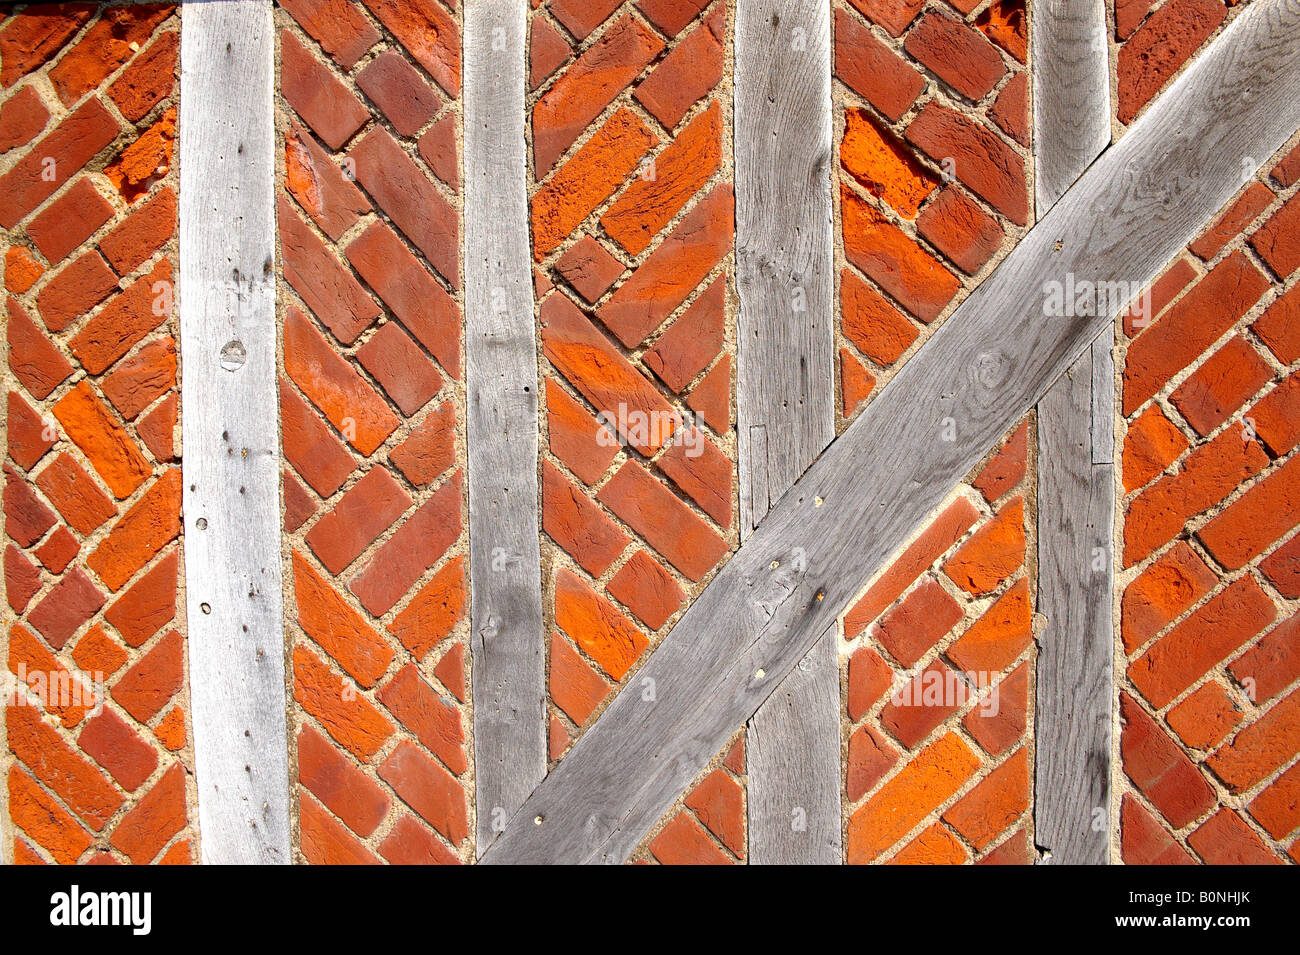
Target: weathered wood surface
[[230, 442], [983, 369], [785, 403], [501, 407], [1076, 473]]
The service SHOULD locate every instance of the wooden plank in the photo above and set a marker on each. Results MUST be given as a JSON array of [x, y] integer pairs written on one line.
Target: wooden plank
[[980, 372], [501, 405], [231, 455], [1071, 93], [785, 402], [1076, 474]]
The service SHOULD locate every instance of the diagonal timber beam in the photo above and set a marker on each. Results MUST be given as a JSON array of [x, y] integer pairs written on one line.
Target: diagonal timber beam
[[978, 374]]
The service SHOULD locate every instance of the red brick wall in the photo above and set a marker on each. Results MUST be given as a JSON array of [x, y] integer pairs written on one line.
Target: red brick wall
[[632, 222], [92, 487], [372, 427], [1210, 700]]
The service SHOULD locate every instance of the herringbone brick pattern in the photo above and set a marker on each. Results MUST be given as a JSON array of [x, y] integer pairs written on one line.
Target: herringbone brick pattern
[[100, 767], [1209, 625], [371, 411]]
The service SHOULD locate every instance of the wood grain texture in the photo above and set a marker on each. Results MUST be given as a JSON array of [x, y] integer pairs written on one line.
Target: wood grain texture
[[785, 401], [1071, 93], [989, 363], [1076, 473], [231, 456], [501, 405]]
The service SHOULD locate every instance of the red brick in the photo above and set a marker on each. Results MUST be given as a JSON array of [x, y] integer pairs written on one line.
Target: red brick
[[883, 164], [126, 320], [1128, 14], [588, 86], [651, 510], [1279, 327], [929, 546], [871, 323], [581, 17], [428, 33], [647, 589], [1272, 664], [703, 472], [170, 730], [547, 51], [1262, 747], [1160, 47], [359, 517], [1006, 24], [317, 95], [894, 15], [434, 719], [1287, 172], [348, 717], [711, 398], [1205, 717], [1282, 568], [422, 305], [450, 670], [1156, 298], [28, 436], [1011, 109], [98, 654], [310, 446], [993, 553], [934, 846], [72, 144], [339, 630], [119, 749], [893, 259], [1006, 469], [26, 517], [873, 70], [991, 168], [68, 605], [44, 820], [33, 359], [22, 116], [1209, 635], [999, 731], [409, 843], [21, 269], [329, 290], [958, 54], [719, 802], [1277, 808], [144, 689], [428, 789], [1221, 385], [918, 623], [338, 26], [415, 547], [152, 522], [58, 550], [1251, 524], [1226, 840], [81, 786], [398, 90], [914, 710], [137, 237], [588, 267], [994, 803], [925, 783], [647, 205], [870, 757], [1160, 594], [869, 678], [36, 34], [146, 161], [995, 640], [439, 148], [67, 222], [575, 687], [604, 377], [1160, 769], [348, 792], [1143, 841], [684, 842], [1232, 221], [1276, 416], [22, 579], [960, 229], [429, 617], [575, 523], [1208, 475], [149, 79], [671, 16], [138, 381], [430, 449], [319, 185], [608, 637], [1275, 240], [1151, 445], [63, 695], [111, 41], [400, 367], [325, 841], [149, 604], [691, 69], [74, 290]]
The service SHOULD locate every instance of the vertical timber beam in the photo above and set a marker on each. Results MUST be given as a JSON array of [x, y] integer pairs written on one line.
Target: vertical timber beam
[[785, 393], [230, 443], [508, 665], [1076, 496]]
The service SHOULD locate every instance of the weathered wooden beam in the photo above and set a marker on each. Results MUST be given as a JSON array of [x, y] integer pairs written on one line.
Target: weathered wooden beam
[[1076, 493], [785, 402], [507, 644], [230, 441], [990, 362]]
